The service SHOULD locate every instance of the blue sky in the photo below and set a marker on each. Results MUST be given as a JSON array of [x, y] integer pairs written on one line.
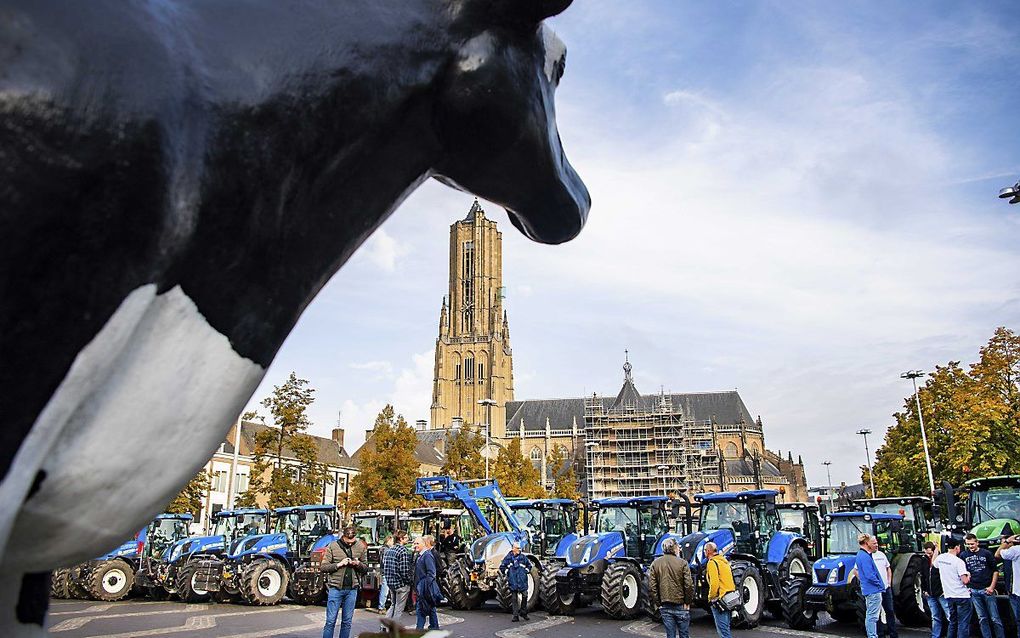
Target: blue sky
[[797, 200]]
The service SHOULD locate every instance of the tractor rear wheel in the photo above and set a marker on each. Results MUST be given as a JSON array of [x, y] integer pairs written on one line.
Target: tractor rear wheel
[[555, 602], [909, 602], [749, 583], [531, 596], [186, 584], [796, 563], [111, 580], [458, 587], [308, 597], [60, 583], [263, 582], [795, 612], [623, 590]]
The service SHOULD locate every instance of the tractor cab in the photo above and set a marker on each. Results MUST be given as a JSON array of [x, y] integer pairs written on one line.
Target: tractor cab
[[424, 521], [803, 519], [549, 522], [989, 507], [373, 526], [751, 517], [640, 522], [915, 511], [304, 527], [155, 546], [234, 525]]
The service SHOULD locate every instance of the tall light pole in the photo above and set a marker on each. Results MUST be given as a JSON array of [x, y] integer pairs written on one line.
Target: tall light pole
[[829, 475], [488, 403], [871, 476], [913, 375]]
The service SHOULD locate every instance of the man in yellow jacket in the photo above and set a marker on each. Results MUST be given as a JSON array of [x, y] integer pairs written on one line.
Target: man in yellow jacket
[[720, 583]]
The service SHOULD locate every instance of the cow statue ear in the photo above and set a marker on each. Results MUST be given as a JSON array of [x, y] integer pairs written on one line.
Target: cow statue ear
[[523, 13]]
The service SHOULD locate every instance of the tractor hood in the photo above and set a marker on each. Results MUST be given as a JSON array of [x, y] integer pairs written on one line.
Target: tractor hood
[[990, 531], [195, 545], [587, 549], [693, 546], [832, 570], [259, 544], [492, 549], [127, 550]]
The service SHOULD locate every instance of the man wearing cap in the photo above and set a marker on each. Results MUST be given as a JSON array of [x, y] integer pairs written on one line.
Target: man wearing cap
[[516, 566], [344, 562]]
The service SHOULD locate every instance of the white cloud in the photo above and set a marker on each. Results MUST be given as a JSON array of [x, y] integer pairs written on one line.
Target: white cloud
[[384, 250], [382, 369]]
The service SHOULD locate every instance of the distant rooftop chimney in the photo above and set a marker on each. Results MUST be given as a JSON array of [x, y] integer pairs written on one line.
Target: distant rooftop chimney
[[456, 423], [421, 425], [338, 436]]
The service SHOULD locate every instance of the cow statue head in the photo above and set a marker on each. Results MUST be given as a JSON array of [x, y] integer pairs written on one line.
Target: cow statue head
[[173, 203]]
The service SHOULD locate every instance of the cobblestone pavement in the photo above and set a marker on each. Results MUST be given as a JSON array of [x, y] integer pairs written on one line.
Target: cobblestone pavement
[[138, 618]]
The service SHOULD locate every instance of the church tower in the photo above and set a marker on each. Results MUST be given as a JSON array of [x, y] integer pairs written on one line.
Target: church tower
[[473, 356]]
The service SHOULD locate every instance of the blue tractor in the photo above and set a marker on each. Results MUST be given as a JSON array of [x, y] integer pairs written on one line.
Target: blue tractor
[[474, 576], [552, 524], [771, 566], [262, 569], [108, 577], [177, 571], [609, 564]]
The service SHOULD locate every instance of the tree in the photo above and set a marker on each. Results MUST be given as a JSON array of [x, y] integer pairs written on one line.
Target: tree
[[189, 500], [388, 466], [564, 479], [463, 453], [282, 482], [971, 419], [516, 475]]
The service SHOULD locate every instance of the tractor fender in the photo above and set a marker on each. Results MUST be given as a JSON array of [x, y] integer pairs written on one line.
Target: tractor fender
[[564, 545], [780, 544], [626, 559], [900, 562]]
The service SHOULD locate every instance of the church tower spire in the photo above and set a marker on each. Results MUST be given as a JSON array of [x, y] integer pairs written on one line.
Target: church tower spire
[[473, 355]]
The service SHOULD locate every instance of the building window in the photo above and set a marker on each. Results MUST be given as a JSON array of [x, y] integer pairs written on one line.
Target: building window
[[456, 375], [481, 370], [242, 483], [536, 454], [731, 450], [469, 368], [468, 285], [219, 483]]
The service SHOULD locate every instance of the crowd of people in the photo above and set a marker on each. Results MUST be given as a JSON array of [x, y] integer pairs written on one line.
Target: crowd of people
[[671, 589]]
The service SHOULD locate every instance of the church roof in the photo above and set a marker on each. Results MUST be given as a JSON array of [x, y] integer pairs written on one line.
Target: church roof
[[328, 450], [745, 467], [476, 209]]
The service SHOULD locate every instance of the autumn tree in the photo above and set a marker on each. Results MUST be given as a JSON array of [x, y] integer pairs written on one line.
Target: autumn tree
[[189, 500], [516, 475], [388, 466], [463, 454], [564, 479], [971, 419], [285, 461]]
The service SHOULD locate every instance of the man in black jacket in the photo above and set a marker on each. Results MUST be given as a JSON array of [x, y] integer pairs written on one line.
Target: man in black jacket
[[931, 583]]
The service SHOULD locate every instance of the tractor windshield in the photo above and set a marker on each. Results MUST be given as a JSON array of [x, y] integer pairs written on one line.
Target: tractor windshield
[[992, 503], [164, 532], [792, 520], [415, 528], [529, 517], [249, 525], [367, 529], [726, 515], [906, 511], [843, 534]]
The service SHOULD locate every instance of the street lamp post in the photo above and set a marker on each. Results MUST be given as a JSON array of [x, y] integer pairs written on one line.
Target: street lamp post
[[488, 403], [913, 375], [867, 452], [829, 475]]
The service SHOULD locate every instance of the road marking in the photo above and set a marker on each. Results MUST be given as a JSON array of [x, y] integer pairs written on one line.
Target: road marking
[[88, 610], [791, 632], [524, 631], [75, 623], [317, 620], [644, 628], [195, 623], [446, 619]]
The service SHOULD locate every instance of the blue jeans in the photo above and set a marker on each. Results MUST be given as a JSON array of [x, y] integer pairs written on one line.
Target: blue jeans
[[987, 609], [676, 620], [1014, 603], [383, 590], [722, 622], [959, 617], [426, 612], [939, 615], [889, 626], [874, 606], [335, 599]]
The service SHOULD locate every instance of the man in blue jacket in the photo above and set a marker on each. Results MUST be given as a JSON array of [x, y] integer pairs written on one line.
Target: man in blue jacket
[[871, 581], [516, 566]]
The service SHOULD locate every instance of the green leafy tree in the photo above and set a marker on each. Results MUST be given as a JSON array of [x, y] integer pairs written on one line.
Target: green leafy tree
[[463, 454], [189, 500], [564, 479], [516, 474], [388, 466], [971, 419], [285, 465]]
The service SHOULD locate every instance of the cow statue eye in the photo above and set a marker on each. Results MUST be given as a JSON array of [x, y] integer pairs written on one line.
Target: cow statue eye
[[555, 55]]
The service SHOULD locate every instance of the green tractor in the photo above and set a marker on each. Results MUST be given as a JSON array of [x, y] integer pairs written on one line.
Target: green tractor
[[988, 507]]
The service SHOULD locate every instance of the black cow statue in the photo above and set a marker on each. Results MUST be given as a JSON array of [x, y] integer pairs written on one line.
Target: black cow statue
[[178, 179]]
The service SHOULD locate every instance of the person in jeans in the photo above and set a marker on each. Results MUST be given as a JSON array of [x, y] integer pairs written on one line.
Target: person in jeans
[[931, 584], [1009, 550], [871, 582], [396, 565], [344, 562], [425, 586], [984, 575], [516, 566], [384, 589], [671, 589], [886, 626], [720, 583], [954, 576]]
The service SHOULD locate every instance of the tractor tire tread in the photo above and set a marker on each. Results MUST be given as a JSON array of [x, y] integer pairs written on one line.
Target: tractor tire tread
[[183, 584], [549, 592], [249, 583], [794, 612], [95, 588], [612, 591], [742, 570]]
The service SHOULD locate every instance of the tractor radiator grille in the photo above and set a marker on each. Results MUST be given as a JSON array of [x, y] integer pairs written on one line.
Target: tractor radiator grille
[[821, 574]]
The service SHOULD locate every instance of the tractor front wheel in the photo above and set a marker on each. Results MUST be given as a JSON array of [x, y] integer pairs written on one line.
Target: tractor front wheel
[[60, 583], [505, 597], [186, 584], [458, 587], [556, 603], [795, 611], [263, 582], [623, 590], [751, 585], [111, 581], [910, 606]]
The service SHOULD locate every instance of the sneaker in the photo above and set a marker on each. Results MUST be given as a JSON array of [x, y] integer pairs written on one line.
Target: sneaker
[[514, 619], [524, 616]]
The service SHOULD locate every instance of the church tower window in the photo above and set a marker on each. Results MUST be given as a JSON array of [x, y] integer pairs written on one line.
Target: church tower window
[[468, 286]]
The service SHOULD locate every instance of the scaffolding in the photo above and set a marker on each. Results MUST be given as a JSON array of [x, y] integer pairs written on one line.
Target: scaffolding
[[643, 450]]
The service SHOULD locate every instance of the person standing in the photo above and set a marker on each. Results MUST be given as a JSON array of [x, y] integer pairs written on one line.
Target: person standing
[[720, 583], [1010, 550], [384, 588], [671, 589], [871, 581], [516, 566], [425, 586], [344, 562], [984, 575], [886, 627], [396, 564], [954, 576], [931, 584]]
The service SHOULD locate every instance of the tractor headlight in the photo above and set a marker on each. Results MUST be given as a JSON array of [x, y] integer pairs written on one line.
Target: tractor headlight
[[496, 551], [833, 576]]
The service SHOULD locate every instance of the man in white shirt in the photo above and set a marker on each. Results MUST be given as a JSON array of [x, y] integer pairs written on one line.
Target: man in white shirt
[[887, 623], [1010, 550], [954, 576]]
